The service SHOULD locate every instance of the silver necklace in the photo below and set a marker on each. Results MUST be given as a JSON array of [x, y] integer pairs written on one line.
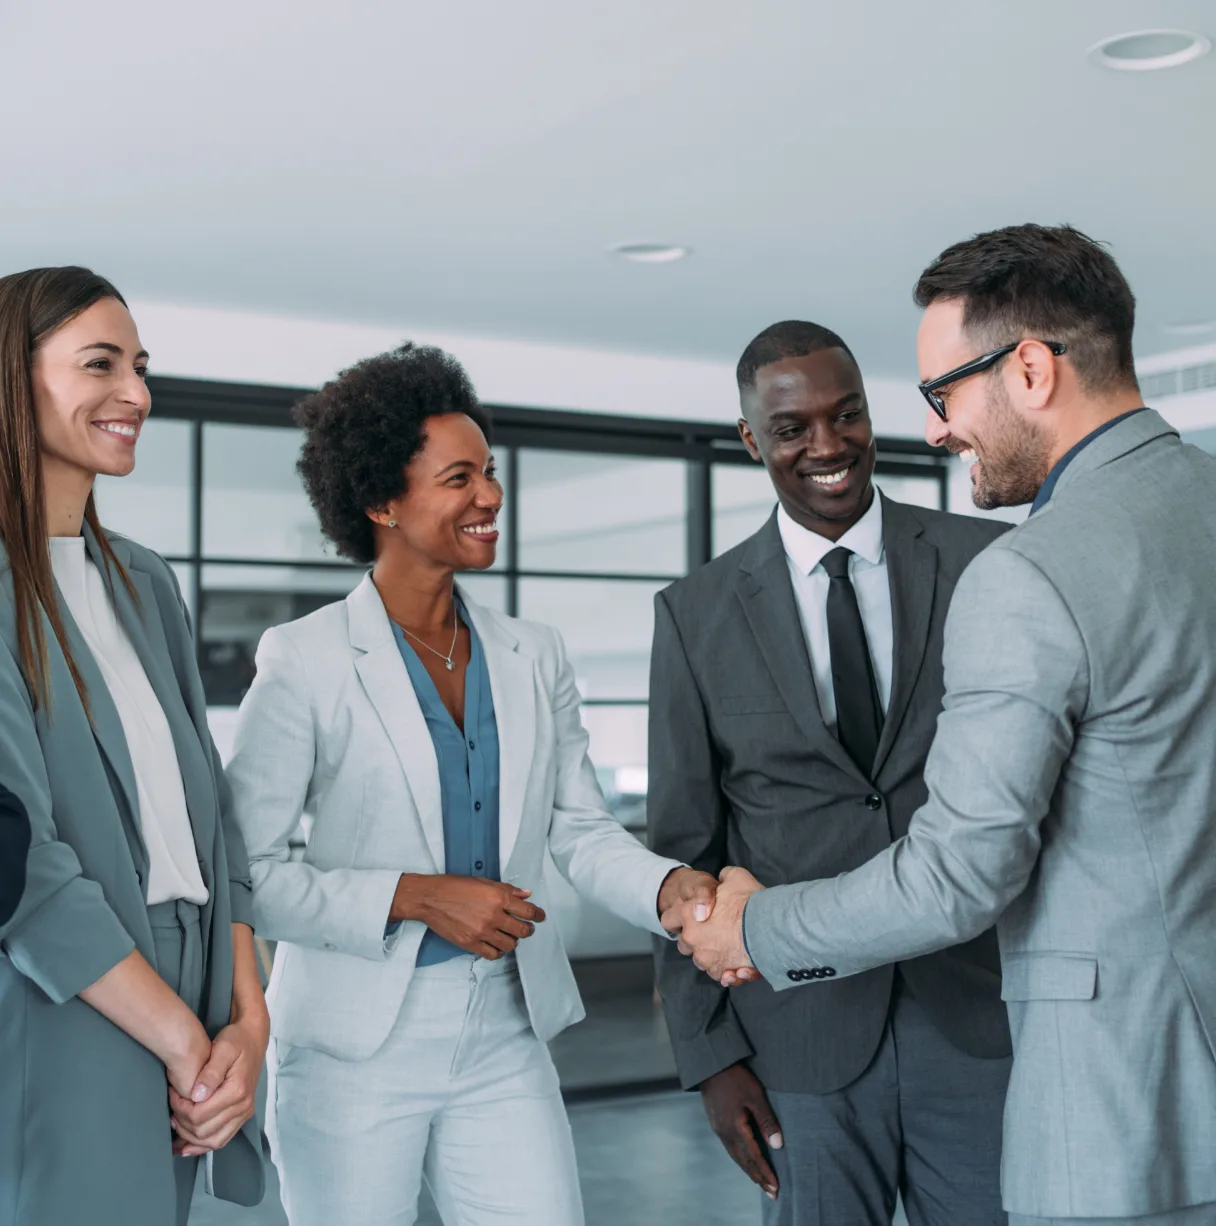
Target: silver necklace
[[447, 660]]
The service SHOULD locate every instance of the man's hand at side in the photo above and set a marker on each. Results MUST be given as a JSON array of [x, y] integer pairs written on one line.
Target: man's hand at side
[[739, 1112]]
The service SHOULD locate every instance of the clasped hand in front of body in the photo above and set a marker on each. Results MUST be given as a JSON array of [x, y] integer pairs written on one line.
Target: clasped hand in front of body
[[485, 918]]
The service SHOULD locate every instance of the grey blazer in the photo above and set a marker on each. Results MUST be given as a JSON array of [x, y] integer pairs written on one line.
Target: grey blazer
[[84, 1116], [743, 770], [1072, 797]]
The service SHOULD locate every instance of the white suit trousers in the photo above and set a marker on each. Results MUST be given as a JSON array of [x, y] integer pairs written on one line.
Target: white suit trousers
[[462, 1093]]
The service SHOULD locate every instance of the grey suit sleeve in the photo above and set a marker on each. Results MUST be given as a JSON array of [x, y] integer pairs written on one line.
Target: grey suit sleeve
[[1017, 683], [240, 883], [687, 815], [63, 934]]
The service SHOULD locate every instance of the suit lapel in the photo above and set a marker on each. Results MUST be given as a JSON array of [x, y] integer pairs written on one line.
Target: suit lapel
[[108, 733], [767, 596], [387, 685], [145, 630], [912, 576], [513, 686]]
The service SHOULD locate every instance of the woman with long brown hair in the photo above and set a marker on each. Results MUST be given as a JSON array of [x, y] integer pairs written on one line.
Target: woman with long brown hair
[[132, 1023]]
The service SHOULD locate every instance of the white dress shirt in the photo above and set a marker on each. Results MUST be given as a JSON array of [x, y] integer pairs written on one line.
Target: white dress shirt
[[805, 551], [173, 870]]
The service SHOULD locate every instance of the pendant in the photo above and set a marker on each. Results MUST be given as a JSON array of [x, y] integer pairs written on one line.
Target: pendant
[[449, 665]]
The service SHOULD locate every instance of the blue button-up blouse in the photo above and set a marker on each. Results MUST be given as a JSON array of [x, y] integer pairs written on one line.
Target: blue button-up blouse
[[468, 774]]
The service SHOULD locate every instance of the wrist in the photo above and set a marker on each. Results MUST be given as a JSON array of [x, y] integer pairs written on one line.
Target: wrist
[[182, 1040], [669, 891], [250, 1013], [410, 899]]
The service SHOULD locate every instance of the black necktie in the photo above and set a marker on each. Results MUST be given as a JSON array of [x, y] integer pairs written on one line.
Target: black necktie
[[858, 710]]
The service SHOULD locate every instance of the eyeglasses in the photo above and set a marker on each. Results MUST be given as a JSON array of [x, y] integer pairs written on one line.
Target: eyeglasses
[[974, 367]]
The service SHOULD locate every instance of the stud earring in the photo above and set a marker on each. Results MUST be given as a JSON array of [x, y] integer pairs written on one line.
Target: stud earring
[[392, 523]]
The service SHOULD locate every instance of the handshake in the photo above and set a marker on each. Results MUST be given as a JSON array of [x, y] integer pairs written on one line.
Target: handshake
[[707, 916]]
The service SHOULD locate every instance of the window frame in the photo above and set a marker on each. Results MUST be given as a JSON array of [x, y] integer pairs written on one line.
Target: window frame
[[702, 445]]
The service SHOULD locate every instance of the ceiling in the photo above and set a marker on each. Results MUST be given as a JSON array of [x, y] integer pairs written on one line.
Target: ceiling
[[464, 167]]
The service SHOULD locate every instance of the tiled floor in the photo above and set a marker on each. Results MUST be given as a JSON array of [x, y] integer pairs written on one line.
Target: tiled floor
[[652, 1161]]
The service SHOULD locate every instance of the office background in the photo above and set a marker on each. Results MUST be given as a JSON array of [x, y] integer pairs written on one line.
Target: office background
[[593, 208]]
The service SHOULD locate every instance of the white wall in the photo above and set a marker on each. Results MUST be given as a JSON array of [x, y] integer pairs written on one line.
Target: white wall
[[206, 343]]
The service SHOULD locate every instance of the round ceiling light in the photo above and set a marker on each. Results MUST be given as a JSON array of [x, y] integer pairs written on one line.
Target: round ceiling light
[[649, 253], [1147, 50]]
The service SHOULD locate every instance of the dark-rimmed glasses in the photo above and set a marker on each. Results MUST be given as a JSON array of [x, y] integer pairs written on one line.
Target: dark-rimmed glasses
[[984, 362]]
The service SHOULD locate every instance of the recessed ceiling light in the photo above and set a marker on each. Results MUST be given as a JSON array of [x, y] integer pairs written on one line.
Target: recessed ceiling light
[[1197, 328], [1146, 50], [649, 253]]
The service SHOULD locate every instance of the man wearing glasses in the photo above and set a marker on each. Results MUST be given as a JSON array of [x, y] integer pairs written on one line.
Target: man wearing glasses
[[1072, 780]]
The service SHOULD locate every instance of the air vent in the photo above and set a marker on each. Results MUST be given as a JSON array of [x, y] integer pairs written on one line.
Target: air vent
[[1175, 382]]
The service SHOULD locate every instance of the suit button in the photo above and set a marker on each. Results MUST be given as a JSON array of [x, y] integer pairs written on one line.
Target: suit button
[[828, 971], [793, 976], [873, 801]]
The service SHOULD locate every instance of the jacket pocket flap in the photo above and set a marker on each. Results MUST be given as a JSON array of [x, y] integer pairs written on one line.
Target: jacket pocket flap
[[753, 704], [1049, 977]]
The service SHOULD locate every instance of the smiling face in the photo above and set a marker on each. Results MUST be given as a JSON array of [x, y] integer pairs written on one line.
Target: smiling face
[[90, 397], [806, 419], [447, 517], [989, 424]]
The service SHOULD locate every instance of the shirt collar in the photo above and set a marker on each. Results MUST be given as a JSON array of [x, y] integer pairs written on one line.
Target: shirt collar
[[806, 549], [1043, 497]]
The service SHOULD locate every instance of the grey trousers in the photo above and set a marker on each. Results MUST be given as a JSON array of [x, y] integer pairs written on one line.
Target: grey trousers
[[923, 1121], [179, 959], [1196, 1215]]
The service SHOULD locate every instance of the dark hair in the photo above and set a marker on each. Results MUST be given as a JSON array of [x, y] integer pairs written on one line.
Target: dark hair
[[33, 304], [792, 338], [364, 427], [1049, 282]]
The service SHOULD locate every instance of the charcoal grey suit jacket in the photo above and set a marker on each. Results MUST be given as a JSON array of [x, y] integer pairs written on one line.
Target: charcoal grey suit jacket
[[1072, 798], [743, 770]]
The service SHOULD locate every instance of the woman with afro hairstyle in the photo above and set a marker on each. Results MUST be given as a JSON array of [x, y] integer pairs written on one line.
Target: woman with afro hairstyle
[[436, 747]]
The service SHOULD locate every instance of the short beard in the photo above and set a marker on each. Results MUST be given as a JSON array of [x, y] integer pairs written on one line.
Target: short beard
[[1016, 456]]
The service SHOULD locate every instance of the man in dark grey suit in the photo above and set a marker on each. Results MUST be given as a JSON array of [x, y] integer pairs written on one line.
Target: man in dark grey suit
[[795, 685]]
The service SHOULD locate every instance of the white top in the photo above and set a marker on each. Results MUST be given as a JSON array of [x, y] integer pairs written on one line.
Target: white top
[[805, 551], [173, 870]]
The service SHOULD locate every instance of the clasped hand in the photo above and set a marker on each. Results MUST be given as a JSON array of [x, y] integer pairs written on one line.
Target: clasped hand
[[715, 943], [210, 1105]]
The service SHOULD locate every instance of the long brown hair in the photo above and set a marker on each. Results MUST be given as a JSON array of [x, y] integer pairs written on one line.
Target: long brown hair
[[34, 304]]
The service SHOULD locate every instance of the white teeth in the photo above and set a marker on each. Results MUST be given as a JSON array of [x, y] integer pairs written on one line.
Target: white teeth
[[480, 529], [831, 478], [117, 428], [968, 456]]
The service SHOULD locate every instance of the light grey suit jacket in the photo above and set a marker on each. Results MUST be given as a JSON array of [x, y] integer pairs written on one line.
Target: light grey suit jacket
[[84, 1116], [331, 731], [1072, 798]]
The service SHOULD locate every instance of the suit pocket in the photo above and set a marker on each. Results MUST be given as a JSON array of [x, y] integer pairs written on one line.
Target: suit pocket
[[753, 704], [1049, 976]]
